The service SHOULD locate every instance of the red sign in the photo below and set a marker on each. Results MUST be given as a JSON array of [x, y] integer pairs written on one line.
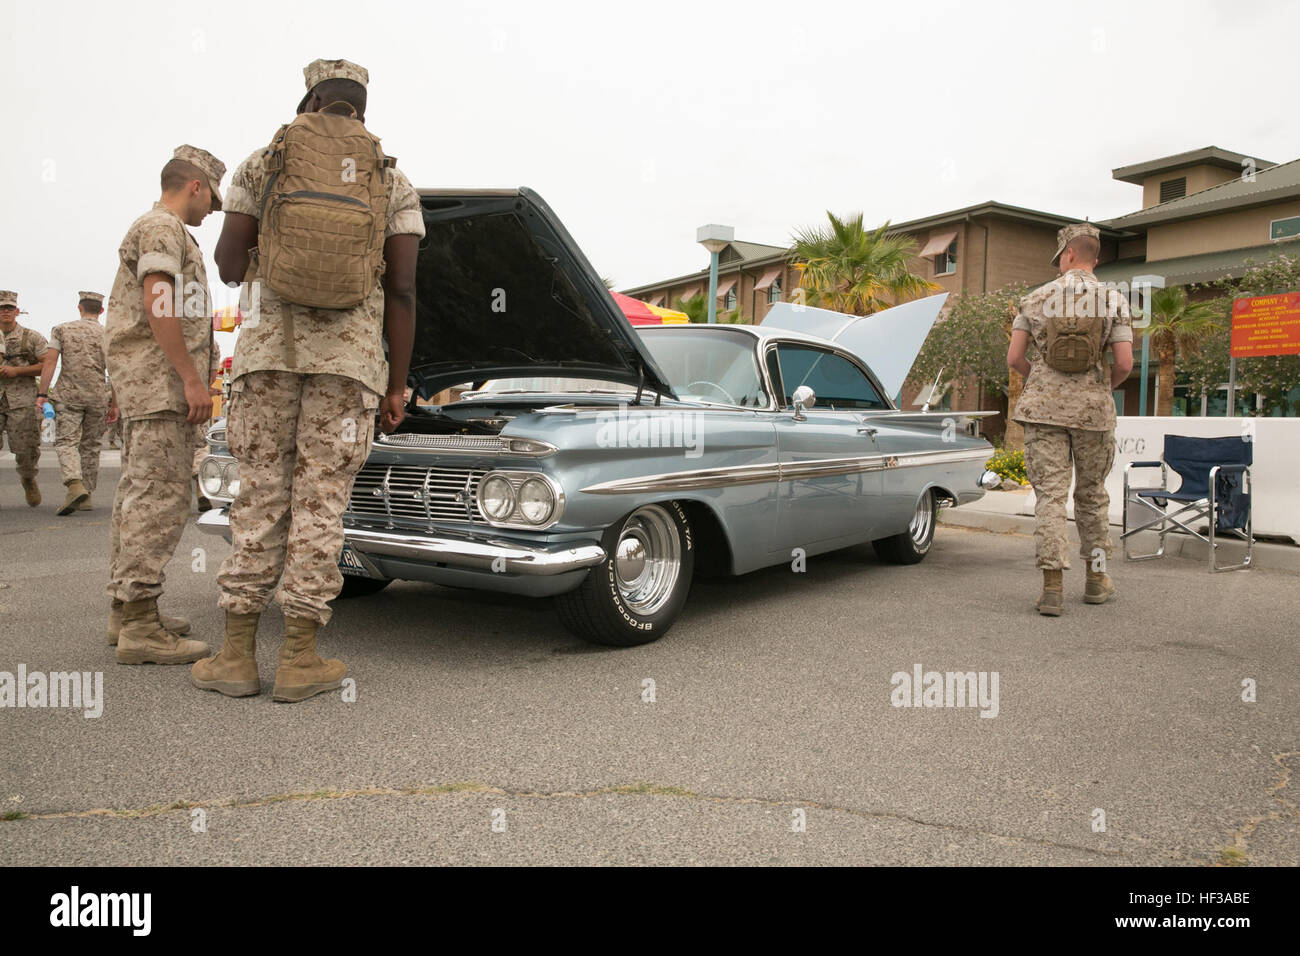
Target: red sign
[[1266, 325]]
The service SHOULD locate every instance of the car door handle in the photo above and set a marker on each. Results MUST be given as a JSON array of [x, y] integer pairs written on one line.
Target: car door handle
[[867, 430]]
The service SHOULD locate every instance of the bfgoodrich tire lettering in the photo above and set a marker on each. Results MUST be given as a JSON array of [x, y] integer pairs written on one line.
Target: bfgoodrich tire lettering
[[635, 594]]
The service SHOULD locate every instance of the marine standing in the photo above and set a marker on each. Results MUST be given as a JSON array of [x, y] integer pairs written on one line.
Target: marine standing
[[1068, 410], [160, 362], [309, 374], [82, 399], [24, 351]]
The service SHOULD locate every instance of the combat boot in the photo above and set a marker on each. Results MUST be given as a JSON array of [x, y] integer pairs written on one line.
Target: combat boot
[[1053, 597], [77, 493], [144, 640], [32, 492], [177, 625], [302, 673], [1098, 588], [85, 505], [233, 672]]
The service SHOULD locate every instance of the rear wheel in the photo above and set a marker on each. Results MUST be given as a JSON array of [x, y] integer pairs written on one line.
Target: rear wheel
[[635, 594], [914, 543], [354, 586]]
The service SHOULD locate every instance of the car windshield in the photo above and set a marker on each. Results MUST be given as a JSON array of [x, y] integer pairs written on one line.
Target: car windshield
[[718, 369]]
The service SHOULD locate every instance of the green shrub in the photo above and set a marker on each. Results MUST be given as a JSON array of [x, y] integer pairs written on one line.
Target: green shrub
[[1009, 464]]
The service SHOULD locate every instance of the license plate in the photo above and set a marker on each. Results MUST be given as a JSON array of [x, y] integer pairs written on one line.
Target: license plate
[[349, 563]]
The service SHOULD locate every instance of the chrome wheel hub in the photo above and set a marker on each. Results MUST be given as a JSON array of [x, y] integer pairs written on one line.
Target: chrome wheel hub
[[920, 526], [647, 559]]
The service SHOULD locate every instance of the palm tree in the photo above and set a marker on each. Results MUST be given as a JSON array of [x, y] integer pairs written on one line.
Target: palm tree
[[1177, 329], [696, 307], [848, 268]]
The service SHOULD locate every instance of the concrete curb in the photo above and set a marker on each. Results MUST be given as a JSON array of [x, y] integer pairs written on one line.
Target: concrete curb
[[1270, 556]]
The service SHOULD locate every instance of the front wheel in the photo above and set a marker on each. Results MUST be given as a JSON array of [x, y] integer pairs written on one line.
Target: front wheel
[[635, 594], [914, 543]]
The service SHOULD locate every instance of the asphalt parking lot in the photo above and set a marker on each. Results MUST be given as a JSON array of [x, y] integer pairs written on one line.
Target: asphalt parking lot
[[482, 732]]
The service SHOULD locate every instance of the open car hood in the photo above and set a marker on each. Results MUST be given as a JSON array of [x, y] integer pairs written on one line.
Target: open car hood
[[503, 291], [888, 341]]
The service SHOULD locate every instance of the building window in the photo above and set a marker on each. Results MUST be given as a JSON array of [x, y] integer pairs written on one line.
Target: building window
[[945, 263], [1173, 189], [730, 301], [774, 292]]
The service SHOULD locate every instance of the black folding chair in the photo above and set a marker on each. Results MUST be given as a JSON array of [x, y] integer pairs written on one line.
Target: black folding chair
[[1216, 486]]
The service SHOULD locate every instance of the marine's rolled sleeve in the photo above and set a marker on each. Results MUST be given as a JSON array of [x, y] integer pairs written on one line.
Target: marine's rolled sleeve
[[245, 190], [161, 247], [56, 341], [405, 218]]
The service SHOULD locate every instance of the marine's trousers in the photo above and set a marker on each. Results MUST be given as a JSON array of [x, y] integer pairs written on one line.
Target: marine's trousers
[[300, 440], [78, 431], [152, 503], [1051, 453], [21, 428]]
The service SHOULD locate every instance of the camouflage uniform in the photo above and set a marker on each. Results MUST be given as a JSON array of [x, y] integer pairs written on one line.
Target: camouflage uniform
[[153, 495], [19, 419], [306, 386], [80, 397], [1069, 420]]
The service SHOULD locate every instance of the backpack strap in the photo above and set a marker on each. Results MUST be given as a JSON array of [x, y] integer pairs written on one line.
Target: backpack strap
[[272, 163]]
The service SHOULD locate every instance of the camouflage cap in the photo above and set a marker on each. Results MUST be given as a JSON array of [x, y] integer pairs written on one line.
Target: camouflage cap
[[1073, 231], [212, 167], [8, 298], [92, 296], [318, 71]]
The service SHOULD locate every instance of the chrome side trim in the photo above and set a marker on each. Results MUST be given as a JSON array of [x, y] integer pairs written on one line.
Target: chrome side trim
[[793, 471]]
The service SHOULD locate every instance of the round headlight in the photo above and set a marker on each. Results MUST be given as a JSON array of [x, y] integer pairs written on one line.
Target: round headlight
[[536, 500], [210, 476], [231, 476], [496, 498]]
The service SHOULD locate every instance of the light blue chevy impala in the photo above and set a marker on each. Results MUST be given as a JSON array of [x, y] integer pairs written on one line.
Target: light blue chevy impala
[[604, 466]]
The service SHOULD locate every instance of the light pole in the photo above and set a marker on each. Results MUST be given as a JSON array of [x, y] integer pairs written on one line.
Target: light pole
[[1148, 285], [714, 238]]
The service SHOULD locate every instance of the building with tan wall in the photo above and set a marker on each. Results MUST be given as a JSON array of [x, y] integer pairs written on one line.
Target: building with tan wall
[[1205, 215]]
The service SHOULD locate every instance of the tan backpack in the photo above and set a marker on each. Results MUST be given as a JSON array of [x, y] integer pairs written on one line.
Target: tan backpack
[[1075, 325], [324, 210]]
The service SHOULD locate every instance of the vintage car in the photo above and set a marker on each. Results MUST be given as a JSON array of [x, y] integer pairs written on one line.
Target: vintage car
[[604, 466]]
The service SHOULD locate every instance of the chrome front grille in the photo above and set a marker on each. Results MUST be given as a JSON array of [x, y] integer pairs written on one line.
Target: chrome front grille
[[415, 493]]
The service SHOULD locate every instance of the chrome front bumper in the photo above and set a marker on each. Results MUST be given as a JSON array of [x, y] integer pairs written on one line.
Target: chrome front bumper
[[465, 552]]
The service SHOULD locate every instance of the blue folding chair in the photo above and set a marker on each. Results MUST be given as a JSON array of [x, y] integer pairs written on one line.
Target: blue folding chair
[[1216, 486]]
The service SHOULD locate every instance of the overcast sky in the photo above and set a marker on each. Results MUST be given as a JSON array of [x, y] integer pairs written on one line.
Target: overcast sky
[[636, 122]]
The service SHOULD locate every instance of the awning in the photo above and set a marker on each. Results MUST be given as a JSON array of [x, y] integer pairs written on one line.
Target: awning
[[725, 286], [657, 298], [690, 293], [769, 277], [938, 243]]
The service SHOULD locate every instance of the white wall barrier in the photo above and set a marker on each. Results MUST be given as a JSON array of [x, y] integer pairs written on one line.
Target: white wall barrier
[[1275, 472]]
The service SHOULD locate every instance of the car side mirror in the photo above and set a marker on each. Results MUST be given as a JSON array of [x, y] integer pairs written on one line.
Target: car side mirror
[[804, 399]]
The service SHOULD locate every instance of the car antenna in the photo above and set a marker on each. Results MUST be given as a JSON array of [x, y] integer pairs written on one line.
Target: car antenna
[[926, 407]]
